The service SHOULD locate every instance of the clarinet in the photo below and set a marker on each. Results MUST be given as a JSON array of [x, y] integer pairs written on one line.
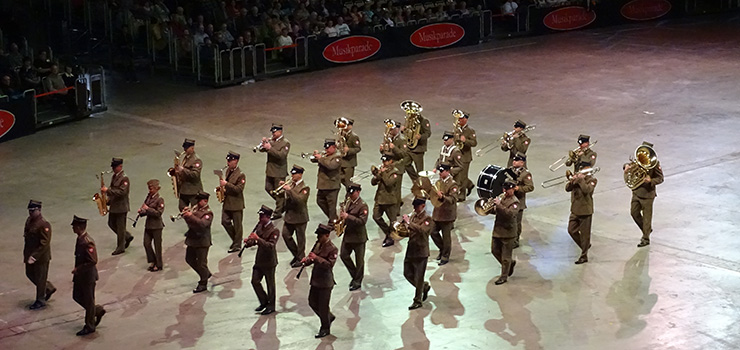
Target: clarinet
[[246, 245], [139, 215], [303, 266]]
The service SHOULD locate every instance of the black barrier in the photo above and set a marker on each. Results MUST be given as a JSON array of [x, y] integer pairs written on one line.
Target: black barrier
[[17, 116], [394, 42]]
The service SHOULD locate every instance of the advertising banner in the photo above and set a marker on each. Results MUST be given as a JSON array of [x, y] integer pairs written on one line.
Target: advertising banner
[[17, 118]]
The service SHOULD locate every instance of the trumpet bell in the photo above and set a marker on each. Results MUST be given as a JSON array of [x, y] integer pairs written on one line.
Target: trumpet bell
[[482, 207]]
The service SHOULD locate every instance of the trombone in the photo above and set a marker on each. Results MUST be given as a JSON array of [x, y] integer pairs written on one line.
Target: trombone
[[506, 137], [571, 155], [568, 174]]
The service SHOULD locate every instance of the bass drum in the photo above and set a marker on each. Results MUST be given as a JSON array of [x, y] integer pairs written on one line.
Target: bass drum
[[491, 181]]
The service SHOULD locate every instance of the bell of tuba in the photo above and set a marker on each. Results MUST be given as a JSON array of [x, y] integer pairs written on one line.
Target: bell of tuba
[[436, 201], [643, 160], [413, 122]]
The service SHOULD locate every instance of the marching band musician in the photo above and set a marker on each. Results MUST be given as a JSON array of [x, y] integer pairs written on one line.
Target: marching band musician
[[276, 170], [322, 257], [416, 161], [504, 231], [296, 215], [450, 154], [265, 236], [641, 204], [152, 208], [581, 187], [233, 208], [583, 155], [355, 236], [417, 251], [465, 134], [524, 185], [519, 142], [37, 254], [118, 202], [329, 181], [349, 154], [188, 175], [396, 145], [198, 238], [444, 216], [85, 275], [388, 180]]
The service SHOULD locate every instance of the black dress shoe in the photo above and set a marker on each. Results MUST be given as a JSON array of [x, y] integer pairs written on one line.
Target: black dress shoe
[[443, 262], [116, 252], [99, 317], [259, 308], [267, 311], [516, 245], [500, 280], [200, 288], [85, 331], [234, 250], [642, 244], [581, 261], [128, 241], [415, 305], [296, 264], [331, 319], [322, 333], [388, 243], [38, 304], [48, 295], [354, 287], [511, 267], [424, 295], [439, 257]]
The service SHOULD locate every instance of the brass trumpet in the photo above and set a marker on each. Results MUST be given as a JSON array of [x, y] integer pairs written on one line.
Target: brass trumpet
[[260, 145], [179, 216], [281, 189], [101, 199], [311, 156], [561, 162], [568, 174]]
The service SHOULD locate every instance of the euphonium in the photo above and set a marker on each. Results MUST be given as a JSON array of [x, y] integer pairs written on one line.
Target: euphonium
[[341, 224], [436, 201], [413, 122], [485, 206], [172, 173], [457, 128], [101, 199], [644, 160], [387, 138], [281, 189]]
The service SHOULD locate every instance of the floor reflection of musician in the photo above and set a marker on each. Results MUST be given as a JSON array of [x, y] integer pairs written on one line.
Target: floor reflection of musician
[[467, 137], [504, 231], [581, 187], [355, 236], [420, 225], [388, 180], [322, 257], [450, 154], [445, 214], [524, 185]]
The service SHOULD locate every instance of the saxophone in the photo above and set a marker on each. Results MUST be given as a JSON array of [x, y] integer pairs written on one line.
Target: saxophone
[[172, 173], [101, 199], [220, 190], [413, 122], [341, 225]]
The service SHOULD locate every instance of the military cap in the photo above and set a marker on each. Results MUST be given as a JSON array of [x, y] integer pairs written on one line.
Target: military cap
[[187, 143], [418, 201], [233, 155], [76, 220], [276, 127], [329, 142], [354, 187], [465, 115], [297, 169], [323, 229], [520, 124], [116, 162], [645, 143], [202, 195], [520, 156], [398, 124], [583, 138], [583, 164], [350, 121], [387, 156], [444, 166], [153, 182], [447, 135], [509, 185], [265, 210], [34, 204]]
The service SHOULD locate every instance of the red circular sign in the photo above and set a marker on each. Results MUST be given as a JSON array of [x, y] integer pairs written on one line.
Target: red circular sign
[[438, 35], [352, 49], [7, 120], [643, 10], [569, 18]]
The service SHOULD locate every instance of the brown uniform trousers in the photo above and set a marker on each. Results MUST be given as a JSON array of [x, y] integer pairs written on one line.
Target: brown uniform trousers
[[417, 252], [189, 183], [198, 241], [354, 240], [328, 184], [349, 159], [588, 157], [581, 212], [641, 204], [526, 185], [504, 232], [119, 207], [386, 198], [37, 244], [264, 264], [233, 208], [444, 218], [85, 277], [276, 169], [295, 220], [519, 144], [322, 282], [153, 229], [416, 163], [467, 157]]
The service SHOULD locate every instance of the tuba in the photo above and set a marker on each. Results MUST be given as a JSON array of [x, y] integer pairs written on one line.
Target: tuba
[[101, 199], [341, 133], [413, 122], [457, 128], [643, 160], [485, 206], [172, 173]]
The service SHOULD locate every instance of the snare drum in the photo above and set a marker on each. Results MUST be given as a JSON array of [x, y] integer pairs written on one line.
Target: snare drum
[[491, 181]]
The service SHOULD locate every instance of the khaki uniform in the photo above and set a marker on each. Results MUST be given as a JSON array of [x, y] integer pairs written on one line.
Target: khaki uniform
[[233, 208], [588, 157], [264, 264], [386, 198], [504, 232], [85, 278], [276, 169], [353, 240], [526, 185], [581, 211], [349, 159], [153, 229], [37, 244], [444, 217], [322, 282], [417, 251], [519, 144], [416, 155], [119, 207], [296, 218], [198, 241], [328, 184], [189, 183], [467, 156], [453, 156], [641, 205]]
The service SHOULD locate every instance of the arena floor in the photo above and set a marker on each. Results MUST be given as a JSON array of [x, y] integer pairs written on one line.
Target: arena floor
[[673, 83]]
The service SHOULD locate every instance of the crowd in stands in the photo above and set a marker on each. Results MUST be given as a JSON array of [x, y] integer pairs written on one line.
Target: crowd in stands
[[19, 73]]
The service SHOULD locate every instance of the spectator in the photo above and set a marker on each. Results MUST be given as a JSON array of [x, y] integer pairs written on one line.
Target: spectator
[[346, 15], [442, 14], [179, 17], [4, 63], [239, 43], [341, 27], [330, 31], [367, 14], [464, 9], [386, 19], [210, 31], [222, 13], [429, 15], [249, 38], [356, 27], [255, 19], [397, 17], [15, 58], [29, 76], [199, 36], [68, 76], [509, 7], [284, 39], [315, 30], [7, 87], [305, 30], [185, 46], [199, 21], [301, 13], [241, 21], [160, 11], [355, 14], [42, 64], [54, 81], [226, 36]]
